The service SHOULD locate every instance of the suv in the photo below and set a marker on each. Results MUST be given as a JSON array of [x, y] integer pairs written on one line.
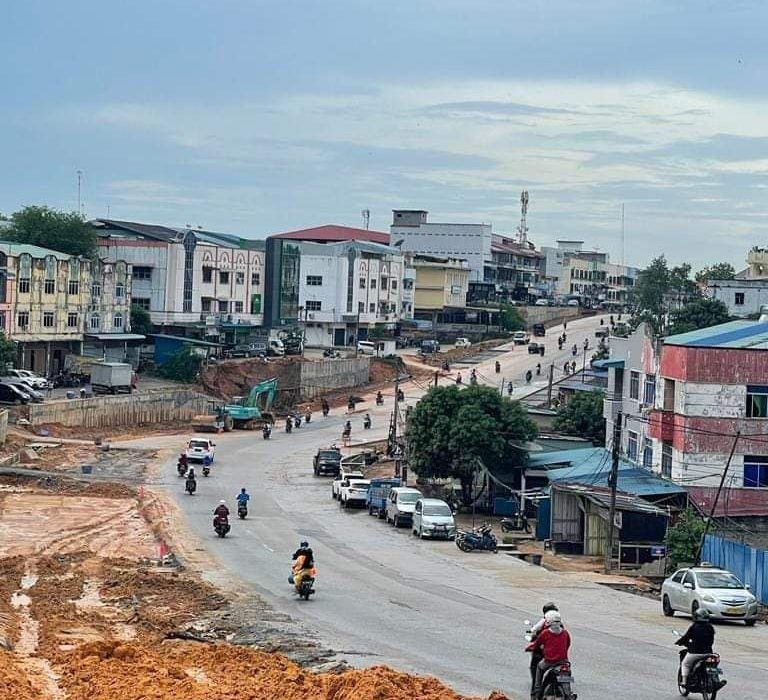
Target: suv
[[433, 518], [462, 343], [353, 492], [327, 462], [366, 347], [344, 474], [12, 394], [521, 338], [715, 590], [29, 377], [200, 450], [429, 346], [247, 350], [401, 503]]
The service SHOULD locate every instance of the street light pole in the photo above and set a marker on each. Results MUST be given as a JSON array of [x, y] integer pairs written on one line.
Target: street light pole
[[584, 364]]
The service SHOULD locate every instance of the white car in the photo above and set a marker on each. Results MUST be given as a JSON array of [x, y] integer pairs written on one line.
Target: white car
[[433, 518], [708, 588], [401, 502], [28, 377], [366, 347], [462, 343], [572, 302], [200, 449], [353, 492], [541, 302], [343, 476], [521, 338]]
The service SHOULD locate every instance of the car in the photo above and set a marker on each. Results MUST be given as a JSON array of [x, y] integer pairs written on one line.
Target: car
[[462, 343], [572, 302], [521, 338], [29, 377], [246, 350], [433, 517], [401, 502], [344, 475], [34, 395], [366, 347], [353, 492], [327, 461], [539, 331], [709, 588], [200, 450], [13, 395], [541, 302], [429, 347], [534, 348], [602, 332]]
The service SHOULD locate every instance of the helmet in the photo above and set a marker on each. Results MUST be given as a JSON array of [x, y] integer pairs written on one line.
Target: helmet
[[304, 544], [548, 606], [222, 503], [553, 617], [701, 614]]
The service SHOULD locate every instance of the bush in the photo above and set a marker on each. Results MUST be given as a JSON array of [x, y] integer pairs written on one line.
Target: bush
[[182, 366], [684, 537]]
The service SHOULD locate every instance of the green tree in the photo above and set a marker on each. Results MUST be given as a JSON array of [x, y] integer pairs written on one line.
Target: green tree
[[652, 284], [63, 231], [718, 271], [140, 320], [582, 415], [684, 537], [510, 319], [452, 431], [8, 352], [699, 313], [182, 366]]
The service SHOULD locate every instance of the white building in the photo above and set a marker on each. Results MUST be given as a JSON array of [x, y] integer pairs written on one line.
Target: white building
[[743, 297]]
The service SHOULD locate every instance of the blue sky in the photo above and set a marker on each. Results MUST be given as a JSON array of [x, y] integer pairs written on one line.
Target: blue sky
[[256, 117]]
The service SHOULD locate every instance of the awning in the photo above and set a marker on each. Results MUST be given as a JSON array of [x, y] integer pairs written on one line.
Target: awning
[[605, 364], [115, 336]]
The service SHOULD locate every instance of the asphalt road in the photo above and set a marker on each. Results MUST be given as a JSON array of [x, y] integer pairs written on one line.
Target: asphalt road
[[386, 597]]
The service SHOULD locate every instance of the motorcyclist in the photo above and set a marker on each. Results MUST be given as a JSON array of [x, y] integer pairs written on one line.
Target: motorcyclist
[[288, 424], [698, 641], [303, 564], [554, 642], [538, 369], [567, 368], [266, 429], [574, 349], [221, 512], [191, 473], [379, 399], [183, 461], [510, 388], [307, 416], [297, 421], [351, 404], [367, 421], [243, 497], [528, 376], [573, 367], [498, 367], [326, 407]]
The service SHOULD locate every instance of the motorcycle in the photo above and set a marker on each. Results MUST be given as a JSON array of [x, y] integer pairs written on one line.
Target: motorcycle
[[705, 677], [181, 468], [221, 525], [190, 486], [326, 408], [379, 399], [206, 470], [574, 351], [307, 587], [266, 431], [481, 539], [515, 524], [557, 681], [367, 423], [307, 417], [242, 511], [288, 425], [330, 352], [297, 421]]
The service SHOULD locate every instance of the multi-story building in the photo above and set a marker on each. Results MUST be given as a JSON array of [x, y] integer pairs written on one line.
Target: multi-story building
[[441, 286], [50, 302], [515, 268], [743, 297], [193, 282]]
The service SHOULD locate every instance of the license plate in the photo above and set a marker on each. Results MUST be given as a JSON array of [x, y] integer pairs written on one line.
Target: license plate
[[735, 611], [565, 679]]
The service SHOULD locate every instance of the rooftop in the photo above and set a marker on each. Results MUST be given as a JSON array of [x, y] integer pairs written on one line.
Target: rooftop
[[11, 248], [747, 335], [733, 503], [173, 234], [331, 233]]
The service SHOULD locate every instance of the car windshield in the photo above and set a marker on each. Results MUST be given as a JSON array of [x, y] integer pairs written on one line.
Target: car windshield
[[329, 454], [202, 444], [717, 579], [438, 509], [408, 497]]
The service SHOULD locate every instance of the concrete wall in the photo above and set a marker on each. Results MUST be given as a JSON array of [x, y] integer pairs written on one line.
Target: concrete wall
[[751, 294], [324, 375], [548, 315], [3, 426], [160, 406]]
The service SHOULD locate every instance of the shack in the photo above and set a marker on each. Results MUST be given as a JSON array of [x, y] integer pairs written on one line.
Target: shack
[[167, 345]]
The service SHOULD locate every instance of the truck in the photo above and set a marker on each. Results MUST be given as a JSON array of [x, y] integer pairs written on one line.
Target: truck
[[269, 346], [111, 378], [252, 411], [376, 500]]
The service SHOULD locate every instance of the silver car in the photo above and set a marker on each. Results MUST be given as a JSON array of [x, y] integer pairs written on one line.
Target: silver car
[[715, 590]]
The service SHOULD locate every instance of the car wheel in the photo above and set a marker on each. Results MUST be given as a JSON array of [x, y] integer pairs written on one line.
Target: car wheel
[[333, 494], [666, 607], [750, 623], [421, 533], [694, 607], [413, 532]]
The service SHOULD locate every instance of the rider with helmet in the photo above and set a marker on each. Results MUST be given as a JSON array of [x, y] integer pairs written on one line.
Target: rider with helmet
[[698, 640], [534, 632], [303, 564], [554, 642], [221, 512]]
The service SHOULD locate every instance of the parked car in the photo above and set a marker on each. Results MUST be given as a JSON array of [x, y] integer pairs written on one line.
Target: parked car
[[541, 302], [344, 475], [13, 395], [572, 302], [539, 331], [366, 347], [327, 461], [246, 350], [462, 343], [433, 518], [715, 590], [602, 332], [29, 377], [353, 492], [429, 347], [521, 338], [34, 395], [401, 502], [378, 491], [200, 449]]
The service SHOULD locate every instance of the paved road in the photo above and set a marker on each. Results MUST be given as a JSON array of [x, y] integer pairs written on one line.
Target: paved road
[[385, 597]]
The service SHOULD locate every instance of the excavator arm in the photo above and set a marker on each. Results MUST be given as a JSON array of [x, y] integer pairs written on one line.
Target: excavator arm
[[268, 387]]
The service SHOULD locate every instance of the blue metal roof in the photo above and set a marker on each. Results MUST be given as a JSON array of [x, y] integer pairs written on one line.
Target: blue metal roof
[[735, 334], [605, 364]]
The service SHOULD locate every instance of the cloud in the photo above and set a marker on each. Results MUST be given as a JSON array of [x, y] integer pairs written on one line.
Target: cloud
[[496, 108]]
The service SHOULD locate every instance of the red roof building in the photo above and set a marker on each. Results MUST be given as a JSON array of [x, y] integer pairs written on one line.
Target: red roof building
[[330, 233]]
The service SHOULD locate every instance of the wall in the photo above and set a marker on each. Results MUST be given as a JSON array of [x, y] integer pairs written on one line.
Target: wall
[[161, 406], [755, 295], [749, 564], [324, 375], [548, 315], [153, 254]]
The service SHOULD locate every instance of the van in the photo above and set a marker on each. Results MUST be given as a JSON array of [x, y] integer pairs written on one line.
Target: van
[[276, 347], [401, 503], [539, 330], [366, 347], [433, 517]]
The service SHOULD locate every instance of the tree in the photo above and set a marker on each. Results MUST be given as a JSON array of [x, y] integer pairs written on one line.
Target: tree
[[183, 366], [510, 319], [718, 271], [650, 288], [452, 432], [699, 313], [63, 231], [582, 415], [684, 537], [8, 352], [140, 320]]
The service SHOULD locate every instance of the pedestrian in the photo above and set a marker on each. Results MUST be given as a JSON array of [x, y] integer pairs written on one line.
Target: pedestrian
[[510, 388], [565, 325], [567, 368], [458, 378], [573, 367]]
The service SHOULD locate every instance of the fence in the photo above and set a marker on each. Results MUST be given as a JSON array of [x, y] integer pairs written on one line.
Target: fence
[[748, 563], [144, 408], [325, 375]]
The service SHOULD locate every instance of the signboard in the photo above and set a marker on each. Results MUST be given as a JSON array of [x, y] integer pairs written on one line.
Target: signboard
[[659, 551], [455, 289]]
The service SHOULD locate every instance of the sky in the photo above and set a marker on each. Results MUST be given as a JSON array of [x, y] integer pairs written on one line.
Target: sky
[[255, 117]]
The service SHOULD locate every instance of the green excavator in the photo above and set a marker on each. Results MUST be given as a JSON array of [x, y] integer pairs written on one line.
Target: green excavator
[[252, 411]]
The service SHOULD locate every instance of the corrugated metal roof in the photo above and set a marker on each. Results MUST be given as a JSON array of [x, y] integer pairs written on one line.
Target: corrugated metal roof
[[605, 364], [733, 503], [332, 233], [734, 334], [11, 248], [602, 497]]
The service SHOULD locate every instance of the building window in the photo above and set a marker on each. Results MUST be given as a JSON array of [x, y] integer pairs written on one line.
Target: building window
[[314, 305], [73, 287], [22, 320], [647, 453], [142, 272], [96, 290], [119, 291], [141, 302], [95, 322], [25, 273], [666, 460], [634, 385], [50, 275], [394, 284], [2, 319], [223, 306], [205, 304], [362, 283], [755, 471], [649, 390], [49, 319], [255, 279], [632, 445], [117, 321], [360, 307], [223, 277], [757, 401], [74, 277], [384, 282], [72, 319], [669, 394], [238, 307], [314, 281], [50, 286], [23, 285], [739, 299], [373, 283], [239, 278], [207, 274], [372, 308]]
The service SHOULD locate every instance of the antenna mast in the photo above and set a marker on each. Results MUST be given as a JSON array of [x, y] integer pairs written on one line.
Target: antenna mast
[[622, 235], [522, 230], [79, 184], [366, 218]]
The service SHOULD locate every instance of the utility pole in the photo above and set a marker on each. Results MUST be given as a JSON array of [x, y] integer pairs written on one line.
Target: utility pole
[[612, 482], [584, 363], [717, 498], [437, 374], [549, 387]]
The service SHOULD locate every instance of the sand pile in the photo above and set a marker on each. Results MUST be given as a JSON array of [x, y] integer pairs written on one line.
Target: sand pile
[[14, 680]]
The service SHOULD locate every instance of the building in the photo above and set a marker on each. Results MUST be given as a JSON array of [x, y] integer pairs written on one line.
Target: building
[[516, 269], [331, 233], [441, 286], [743, 297], [193, 282]]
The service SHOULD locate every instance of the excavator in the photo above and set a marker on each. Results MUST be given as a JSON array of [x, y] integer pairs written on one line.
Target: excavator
[[252, 411]]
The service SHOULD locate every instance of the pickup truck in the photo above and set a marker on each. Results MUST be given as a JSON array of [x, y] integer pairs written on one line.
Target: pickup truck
[[379, 489], [327, 462]]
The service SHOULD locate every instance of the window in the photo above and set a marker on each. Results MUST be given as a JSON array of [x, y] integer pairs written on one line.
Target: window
[[634, 385], [141, 302], [669, 394], [372, 308], [49, 319], [205, 304], [23, 285], [142, 272], [755, 471], [96, 290], [362, 283], [255, 279], [22, 320], [666, 460], [223, 277], [73, 287], [95, 322], [239, 278], [50, 275], [2, 319], [393, 284], [238, 307], [74, 276], [314, 281], [739, 299], [314, 305], [678, 577], [360, 307], [223, 305], [632, 445], [72, 319], [119, 291], [207, 274], [757, 401], [117, 321], [649, 390], [384, 282], [647, 453], [373, 283], [25, 273], [50, 286]]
